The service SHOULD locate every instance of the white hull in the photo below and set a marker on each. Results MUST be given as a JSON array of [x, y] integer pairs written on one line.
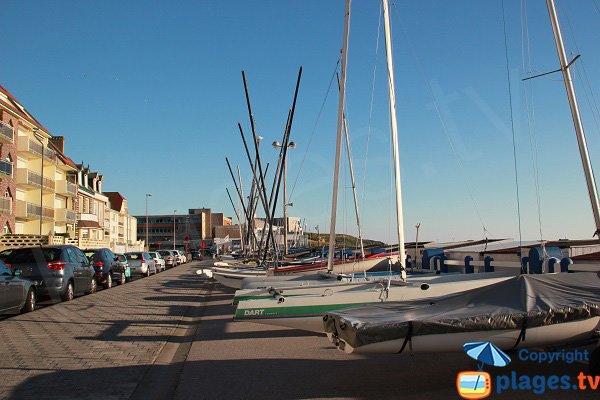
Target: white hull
[[232, 276], [504, 339], [321, 286], [305, 311]]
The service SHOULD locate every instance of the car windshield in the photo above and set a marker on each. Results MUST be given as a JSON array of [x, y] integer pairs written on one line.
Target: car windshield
[[121, 258], [135, 256], [164, 253]]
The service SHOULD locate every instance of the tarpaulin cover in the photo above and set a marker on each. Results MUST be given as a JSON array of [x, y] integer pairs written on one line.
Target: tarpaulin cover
[[530, 300]]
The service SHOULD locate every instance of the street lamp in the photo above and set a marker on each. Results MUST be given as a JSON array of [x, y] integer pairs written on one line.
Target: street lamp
[[147, 244], [291, 145], [39, 139], [174, 211]]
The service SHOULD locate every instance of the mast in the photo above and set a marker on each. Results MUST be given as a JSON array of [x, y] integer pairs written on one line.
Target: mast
[[394, 127], [583, 151], [362, 248], [338, 142]]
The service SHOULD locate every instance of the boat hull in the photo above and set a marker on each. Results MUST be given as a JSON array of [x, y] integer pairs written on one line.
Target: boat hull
[[306, 311], [505, 339]]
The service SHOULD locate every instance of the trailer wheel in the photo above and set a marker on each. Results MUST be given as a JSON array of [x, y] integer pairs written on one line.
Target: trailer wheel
[[595, 362]]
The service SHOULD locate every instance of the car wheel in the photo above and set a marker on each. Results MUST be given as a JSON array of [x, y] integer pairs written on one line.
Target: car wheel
[[30, 301], [108, 283], [93, 286], [69, 292], [122, 278]]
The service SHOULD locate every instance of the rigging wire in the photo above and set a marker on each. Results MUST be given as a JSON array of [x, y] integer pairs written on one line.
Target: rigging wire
[[459, 161], [312, 134], [369, 129], [512, 126], [580, 68], [530, 110]]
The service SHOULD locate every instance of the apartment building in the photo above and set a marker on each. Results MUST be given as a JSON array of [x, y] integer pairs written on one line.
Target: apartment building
[[37, 197], [122, 226], [93, 207]]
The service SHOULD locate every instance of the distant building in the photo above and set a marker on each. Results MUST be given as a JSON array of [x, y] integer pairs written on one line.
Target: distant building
[[180, 230]]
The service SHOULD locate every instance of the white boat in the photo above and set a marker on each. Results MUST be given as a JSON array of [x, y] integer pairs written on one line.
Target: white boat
[[232, 277], [303, 307], [524, 311]]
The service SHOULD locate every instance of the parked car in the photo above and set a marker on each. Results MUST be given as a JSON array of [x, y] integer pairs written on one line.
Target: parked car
[[124, 265], [182, 257], [169, 257], [196, 255], [58, 271], [16, 294], [106, 268], [158, 260], [141, 263]]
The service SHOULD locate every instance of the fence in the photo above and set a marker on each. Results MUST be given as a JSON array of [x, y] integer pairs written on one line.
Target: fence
[[11, 241]]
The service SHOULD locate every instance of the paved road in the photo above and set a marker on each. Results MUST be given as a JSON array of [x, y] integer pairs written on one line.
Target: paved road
[[171, 337]]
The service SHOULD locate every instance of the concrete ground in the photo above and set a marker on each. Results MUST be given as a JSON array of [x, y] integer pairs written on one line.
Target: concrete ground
[[171, 336]]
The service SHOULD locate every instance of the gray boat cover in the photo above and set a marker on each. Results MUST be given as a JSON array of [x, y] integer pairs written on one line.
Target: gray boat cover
[[521, 302]]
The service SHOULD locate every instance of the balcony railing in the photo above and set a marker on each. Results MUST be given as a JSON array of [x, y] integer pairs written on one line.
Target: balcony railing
[[49, 153], [33, 179], [35, 147], [6, 168], [32, 149], [7, 133], [66, 188], [5, 205], [29, 211], [66, 216]]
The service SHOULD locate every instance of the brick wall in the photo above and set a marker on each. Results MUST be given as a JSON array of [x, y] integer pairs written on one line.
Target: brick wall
[[7, 182]]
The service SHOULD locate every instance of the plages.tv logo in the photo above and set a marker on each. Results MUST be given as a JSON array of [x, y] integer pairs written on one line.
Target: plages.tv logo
[[478, 384]]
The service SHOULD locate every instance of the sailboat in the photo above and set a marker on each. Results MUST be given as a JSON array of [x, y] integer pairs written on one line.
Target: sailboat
[[232, 277], [302, 306], [526, 311]]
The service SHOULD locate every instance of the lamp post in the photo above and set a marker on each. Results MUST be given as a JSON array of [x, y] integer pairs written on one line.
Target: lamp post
[[417, 244], [147, 244], [39, 139], [291, 145], [174, 211]]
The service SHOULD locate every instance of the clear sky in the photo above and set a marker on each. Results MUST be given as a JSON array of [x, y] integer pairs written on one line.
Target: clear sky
[[149, 93]]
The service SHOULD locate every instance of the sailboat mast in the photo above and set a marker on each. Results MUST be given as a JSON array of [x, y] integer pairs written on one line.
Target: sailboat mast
[[583, 150], [353, 182], [338, 142], [394, 126]]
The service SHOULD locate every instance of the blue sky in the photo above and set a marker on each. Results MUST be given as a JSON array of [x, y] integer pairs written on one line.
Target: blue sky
[[150, 95]]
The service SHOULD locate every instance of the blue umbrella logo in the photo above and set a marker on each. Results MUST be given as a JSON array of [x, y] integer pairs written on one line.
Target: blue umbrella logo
[[487, 354]]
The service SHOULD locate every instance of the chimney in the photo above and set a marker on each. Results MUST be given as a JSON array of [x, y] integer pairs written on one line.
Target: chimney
[[58, 142]]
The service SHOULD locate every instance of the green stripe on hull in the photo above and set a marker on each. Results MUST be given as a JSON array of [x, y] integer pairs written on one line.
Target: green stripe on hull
[[292, 311]]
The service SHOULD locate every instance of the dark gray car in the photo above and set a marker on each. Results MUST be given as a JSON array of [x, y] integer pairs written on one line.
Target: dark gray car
[[59, 271], [16, 294], [108, 270]]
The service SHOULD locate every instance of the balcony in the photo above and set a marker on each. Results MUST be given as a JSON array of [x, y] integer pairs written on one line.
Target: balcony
[[64, 216], [32, 180], [32, 149], [66, 188], [6, 168], [29, 211], [5, 205], [7, 133]]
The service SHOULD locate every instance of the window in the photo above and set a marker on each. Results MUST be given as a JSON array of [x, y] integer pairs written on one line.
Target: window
[[4, 270]]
